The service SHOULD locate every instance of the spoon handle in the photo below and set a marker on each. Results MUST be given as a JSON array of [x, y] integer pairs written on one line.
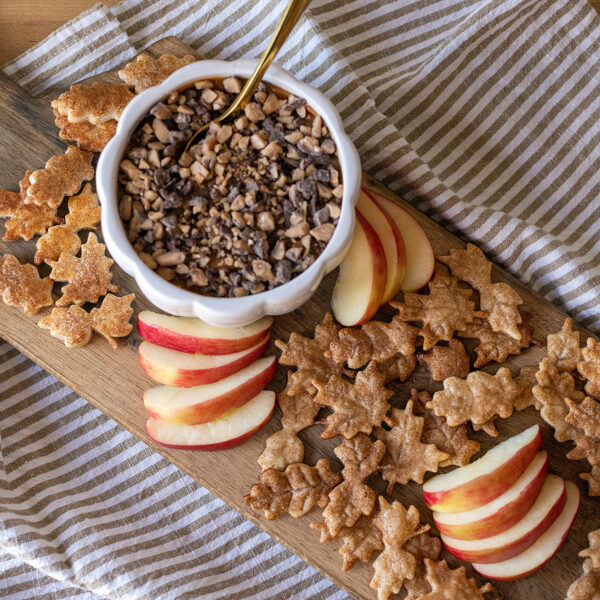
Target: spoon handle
[[288, 21]]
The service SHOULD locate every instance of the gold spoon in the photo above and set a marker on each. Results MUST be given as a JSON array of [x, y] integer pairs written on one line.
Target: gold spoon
[[288, 21]]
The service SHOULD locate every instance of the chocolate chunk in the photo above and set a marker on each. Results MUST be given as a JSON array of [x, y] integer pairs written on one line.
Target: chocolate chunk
[[161, 177], [322, 175], [199, 201], [307, 187], [169, 221], [283, 271], [321, 216], [173, 200]]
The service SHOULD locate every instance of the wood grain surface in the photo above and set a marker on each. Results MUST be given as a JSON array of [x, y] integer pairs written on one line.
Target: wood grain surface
[[113, 381], [24, 23]]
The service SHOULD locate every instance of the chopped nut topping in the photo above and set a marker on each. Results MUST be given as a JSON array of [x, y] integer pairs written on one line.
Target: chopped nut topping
[[254, 112], [246, 209], [232, 85]]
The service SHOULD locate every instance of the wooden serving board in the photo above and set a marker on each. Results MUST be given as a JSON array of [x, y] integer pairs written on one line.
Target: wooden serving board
[[113, 381]]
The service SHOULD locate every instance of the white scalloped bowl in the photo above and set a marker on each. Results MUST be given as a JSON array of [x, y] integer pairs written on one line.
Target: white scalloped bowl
[[225, 312]]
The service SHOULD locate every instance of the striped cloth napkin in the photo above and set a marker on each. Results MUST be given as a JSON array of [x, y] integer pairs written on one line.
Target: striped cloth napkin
[[483, 113]]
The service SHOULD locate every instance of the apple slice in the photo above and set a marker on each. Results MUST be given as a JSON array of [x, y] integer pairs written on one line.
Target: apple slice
[[420, 260], [182, 369], [538, 554], [499, 514], [393, 246], [188, 334], [230, 429], [204, 403], [520, 536], [362, 277], [485, 479]]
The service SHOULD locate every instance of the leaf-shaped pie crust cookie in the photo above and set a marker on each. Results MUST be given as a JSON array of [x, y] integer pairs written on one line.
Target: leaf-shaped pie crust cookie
[[550, 393], [375, 340], [407, 458], [84, 213], [442, 312], [26, 220], [295, 490], [589, 367], [353, 498], [357, 406], [62, 176], [284, 447], [21, 285], [95, 103], [89, 276], [451, 440], [146, 71], [479, 398], [451, 584], [395, 564], [74, 326], [309, 357]]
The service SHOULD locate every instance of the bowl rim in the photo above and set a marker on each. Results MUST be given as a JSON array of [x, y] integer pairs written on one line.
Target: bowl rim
[[225, 311]]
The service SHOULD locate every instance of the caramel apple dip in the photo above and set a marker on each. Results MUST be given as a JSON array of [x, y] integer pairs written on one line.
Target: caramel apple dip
[[248, 208]]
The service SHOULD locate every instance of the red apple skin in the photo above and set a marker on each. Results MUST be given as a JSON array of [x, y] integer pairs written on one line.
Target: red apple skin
[[218, 446], [484, 489], [190, 378], [378, 277], [210, 410], [504, 519], [416, 243], [401, 253], [162, 336], [485, 557], [537, 567], [380, 266], [394, 249]]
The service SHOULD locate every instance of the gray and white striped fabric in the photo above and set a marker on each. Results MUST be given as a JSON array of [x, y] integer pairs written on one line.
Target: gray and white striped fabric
[[483, 113]]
